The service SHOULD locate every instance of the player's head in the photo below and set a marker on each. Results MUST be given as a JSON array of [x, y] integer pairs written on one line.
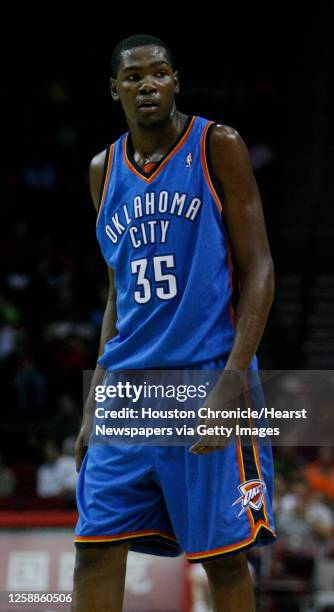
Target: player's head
[[143, 79]]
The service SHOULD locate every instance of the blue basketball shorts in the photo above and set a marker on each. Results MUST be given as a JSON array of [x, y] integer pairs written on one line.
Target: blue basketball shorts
[[166, 501]]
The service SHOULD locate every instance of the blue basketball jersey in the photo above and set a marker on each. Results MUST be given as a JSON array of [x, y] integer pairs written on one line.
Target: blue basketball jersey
[[163, 234]]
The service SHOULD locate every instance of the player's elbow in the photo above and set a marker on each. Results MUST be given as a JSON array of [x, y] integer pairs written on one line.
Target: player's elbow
[[260, 275]]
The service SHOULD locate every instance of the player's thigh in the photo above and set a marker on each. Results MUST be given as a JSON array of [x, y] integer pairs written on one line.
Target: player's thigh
[[100, 560]]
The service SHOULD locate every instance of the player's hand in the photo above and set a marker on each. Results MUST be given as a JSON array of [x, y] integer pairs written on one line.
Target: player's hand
[[225, 396], [80, 448]]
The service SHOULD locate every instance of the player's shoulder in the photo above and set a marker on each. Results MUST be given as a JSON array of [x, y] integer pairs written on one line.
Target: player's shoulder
[[224, 134], [97, 171], [97, 161], [226, 143]]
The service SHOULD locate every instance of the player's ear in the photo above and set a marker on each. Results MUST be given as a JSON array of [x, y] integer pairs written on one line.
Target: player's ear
[[176, 81], [113, 89]]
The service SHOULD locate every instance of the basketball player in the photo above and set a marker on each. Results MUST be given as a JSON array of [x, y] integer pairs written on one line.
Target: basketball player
[[174, 197]]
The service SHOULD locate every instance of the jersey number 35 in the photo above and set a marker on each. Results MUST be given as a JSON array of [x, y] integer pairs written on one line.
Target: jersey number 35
[[167, 291]]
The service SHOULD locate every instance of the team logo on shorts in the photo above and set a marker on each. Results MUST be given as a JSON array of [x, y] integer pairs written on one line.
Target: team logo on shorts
[[252, 495]]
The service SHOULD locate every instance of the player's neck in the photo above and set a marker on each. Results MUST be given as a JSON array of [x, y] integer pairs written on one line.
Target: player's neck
[[152, 141]]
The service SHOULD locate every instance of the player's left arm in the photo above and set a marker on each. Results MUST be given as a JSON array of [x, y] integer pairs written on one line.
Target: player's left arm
[[243, 217]]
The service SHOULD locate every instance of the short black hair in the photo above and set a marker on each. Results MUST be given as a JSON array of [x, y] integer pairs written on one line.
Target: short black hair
[[138, 40]]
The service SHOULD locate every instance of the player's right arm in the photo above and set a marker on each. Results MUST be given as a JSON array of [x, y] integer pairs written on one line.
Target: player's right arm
[[108, 329]]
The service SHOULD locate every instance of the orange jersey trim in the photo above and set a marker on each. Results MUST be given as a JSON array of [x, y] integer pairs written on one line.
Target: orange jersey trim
[[124, 536], [220, 208], [206, 169], [111, 156], [149, 179], [242, 478], [256, 454], [227, 549]]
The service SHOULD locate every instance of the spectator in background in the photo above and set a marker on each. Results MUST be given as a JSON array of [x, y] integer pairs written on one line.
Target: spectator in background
[[261, 154], [291, 518], [47, 481], [280, 492], [57, 476], [9, 313], [7, 480], [66, 470], [30, 385], [39, 173], [10, 318], [66, 421], [7, 340], [320, 517], [304, 513], [320, 473]]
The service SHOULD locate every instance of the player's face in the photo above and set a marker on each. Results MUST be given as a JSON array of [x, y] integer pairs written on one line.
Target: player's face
[[145, 85]]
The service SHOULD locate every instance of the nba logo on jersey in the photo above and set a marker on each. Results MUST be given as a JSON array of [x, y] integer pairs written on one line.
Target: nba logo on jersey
[[189, 160], [252, 494]]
